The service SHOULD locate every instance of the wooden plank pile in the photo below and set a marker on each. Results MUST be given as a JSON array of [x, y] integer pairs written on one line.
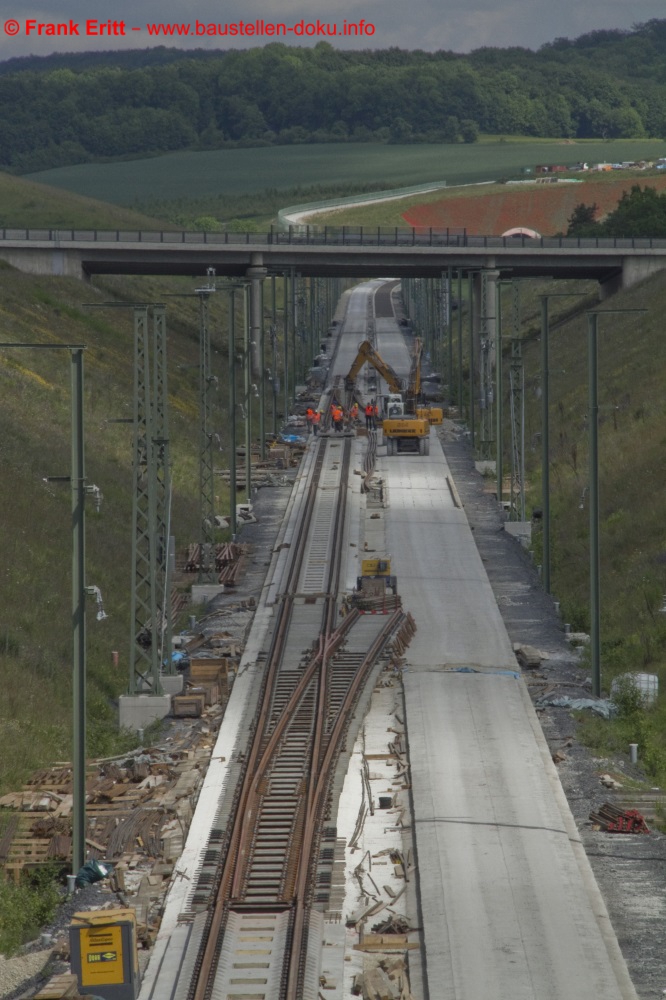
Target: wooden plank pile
[[140, 806]]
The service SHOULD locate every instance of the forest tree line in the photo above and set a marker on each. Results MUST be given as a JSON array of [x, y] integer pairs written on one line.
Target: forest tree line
[[70, 109]]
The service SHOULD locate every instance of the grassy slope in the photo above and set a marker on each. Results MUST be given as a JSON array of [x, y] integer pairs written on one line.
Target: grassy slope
[[35, 413], [632, 361], [242, 170], [26, 203], [35, 595]]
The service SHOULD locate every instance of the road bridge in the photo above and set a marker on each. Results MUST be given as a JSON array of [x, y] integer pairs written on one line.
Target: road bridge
[[330, 252]]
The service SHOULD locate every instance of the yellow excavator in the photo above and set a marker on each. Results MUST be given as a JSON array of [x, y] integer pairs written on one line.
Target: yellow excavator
[[405, 424]]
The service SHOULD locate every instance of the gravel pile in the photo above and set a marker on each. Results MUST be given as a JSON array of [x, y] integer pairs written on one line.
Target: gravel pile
[[18, 971]]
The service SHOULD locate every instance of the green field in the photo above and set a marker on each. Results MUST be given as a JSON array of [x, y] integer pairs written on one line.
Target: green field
[[239, 171]]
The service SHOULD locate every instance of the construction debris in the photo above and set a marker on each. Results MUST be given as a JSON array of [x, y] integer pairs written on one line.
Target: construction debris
[[394, 925], [387, 980], [613, 820], [529, 657], [138, 807]]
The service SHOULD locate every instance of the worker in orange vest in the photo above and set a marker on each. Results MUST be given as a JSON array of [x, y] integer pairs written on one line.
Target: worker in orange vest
[[316, 420], [368, 417], [309, 416]]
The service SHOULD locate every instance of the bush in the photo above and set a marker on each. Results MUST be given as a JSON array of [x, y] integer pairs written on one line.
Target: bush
[[627, 698], [27, 906]]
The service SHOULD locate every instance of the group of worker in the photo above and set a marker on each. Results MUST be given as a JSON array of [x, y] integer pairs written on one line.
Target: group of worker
[[339, 418]]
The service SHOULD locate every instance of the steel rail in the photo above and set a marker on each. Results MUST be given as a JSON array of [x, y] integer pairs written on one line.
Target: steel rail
[[207, 958], [329, 640], [245, 806], [315, 809]]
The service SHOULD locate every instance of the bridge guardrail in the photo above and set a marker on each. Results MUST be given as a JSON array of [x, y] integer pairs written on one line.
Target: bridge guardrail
[[328, 235]]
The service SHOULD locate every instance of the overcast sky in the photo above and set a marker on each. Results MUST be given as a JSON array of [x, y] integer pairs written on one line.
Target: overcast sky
[[425, 24]]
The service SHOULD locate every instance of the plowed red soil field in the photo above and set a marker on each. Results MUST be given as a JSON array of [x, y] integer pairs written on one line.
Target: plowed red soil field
[[544, 207]]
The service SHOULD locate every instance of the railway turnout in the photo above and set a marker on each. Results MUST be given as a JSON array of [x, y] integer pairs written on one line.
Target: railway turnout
[[268, 860]]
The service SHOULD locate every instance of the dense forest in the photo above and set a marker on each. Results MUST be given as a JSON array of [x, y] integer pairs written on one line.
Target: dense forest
[[68, 109]]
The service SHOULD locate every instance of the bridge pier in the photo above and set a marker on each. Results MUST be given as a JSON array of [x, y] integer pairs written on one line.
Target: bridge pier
[[635, 269], [55, 263], [256, 274]]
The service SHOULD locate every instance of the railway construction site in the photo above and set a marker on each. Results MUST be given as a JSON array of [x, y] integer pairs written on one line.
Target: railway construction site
[[381, 815]]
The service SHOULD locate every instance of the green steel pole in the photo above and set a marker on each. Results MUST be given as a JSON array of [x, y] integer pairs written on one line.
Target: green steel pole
[[232, 412], [274, 346], [471, 361], [294, 322], [460, 348], [262, 376], [78, 616], [285, 325], [499, 468], [545, 446], [593, 421], [449, 330], [247, 384]]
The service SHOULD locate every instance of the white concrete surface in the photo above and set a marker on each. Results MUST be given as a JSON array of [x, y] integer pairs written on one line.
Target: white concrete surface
[[510, 908], [441, 578]]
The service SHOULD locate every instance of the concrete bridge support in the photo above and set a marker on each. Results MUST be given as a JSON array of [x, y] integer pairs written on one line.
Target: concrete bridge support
[[485, 332], [256, 273], [635, 269], [51, 262]]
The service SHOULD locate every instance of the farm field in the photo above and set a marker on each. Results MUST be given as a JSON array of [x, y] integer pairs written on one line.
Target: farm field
[[544, 207], [238, 171]]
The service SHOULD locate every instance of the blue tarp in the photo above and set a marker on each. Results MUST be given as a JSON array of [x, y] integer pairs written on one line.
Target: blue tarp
[[604, 708]]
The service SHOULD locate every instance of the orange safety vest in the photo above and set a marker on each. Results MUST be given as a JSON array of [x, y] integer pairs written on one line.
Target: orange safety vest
[[316, 417]]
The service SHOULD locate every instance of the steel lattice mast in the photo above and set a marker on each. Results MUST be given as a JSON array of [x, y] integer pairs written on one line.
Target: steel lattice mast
[[150, 604], [144, 640]]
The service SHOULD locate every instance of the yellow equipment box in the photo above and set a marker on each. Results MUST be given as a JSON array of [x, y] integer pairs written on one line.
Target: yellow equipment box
[[104, 954]]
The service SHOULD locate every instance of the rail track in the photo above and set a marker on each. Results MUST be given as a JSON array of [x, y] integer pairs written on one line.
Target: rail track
[[269, 865]]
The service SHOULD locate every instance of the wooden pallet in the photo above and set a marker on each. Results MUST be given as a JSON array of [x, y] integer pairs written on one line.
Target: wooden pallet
[[26, 850], [58, 988]]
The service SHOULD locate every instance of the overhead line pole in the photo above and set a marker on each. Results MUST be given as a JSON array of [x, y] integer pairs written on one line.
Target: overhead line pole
[[77, 480], [545, 433], [593, 420]]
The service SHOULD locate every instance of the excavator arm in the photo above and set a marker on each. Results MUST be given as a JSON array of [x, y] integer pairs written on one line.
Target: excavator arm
[[368, 355]]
